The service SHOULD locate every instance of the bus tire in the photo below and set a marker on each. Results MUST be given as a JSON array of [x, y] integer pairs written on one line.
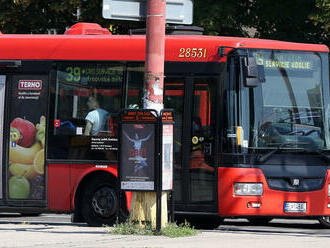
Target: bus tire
[[102, 202], [325, 221], [259, 221]]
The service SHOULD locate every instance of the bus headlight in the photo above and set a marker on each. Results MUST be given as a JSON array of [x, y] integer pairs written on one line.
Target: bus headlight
[[328, 189], [248, 188]]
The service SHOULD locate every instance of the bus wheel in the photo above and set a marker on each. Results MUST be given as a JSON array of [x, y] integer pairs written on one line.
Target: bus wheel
[[259, 221], [101, 202], [325, 221]]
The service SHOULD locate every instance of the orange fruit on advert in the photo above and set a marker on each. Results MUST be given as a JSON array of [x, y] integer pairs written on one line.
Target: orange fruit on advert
[[38, 166]]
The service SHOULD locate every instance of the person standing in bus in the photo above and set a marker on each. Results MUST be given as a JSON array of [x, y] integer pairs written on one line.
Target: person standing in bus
[[97, 117]]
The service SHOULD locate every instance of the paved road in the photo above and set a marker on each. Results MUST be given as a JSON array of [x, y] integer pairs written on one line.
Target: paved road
[[51, 230]]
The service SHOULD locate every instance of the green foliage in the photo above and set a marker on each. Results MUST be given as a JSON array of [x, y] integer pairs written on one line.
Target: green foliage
[[39, 16], [27, 16], [322, 15], [288, 20], [172, 230], [129, 228]]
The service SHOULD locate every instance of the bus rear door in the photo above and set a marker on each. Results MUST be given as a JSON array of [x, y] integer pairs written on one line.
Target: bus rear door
[[23, 180]]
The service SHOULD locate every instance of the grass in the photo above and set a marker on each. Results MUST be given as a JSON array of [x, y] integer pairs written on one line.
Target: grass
[[172, 230]]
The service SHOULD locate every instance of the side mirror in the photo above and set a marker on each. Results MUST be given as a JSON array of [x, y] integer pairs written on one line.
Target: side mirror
[[253, 74]]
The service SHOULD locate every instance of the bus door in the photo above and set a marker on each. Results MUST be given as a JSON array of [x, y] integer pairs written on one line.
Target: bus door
[[24, 162], [193, 100]]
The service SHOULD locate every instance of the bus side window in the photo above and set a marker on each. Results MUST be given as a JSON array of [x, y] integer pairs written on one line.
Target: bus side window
[[78, 116], [135, 78]]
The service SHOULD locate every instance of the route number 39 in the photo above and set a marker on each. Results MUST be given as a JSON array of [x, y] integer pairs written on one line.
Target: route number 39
[[192, 53]]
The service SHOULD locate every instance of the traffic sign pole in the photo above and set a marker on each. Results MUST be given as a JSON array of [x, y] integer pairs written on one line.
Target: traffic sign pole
[[154, 72], [155, 50]]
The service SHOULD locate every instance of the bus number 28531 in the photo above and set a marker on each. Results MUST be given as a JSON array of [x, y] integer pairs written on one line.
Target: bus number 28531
[[192, 53]]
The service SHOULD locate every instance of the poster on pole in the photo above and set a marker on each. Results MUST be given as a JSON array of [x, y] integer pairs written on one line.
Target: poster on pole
[[167, 150], [137, 150], [167, 157]]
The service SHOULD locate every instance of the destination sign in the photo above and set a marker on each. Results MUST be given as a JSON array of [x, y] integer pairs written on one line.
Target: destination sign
[[284, 60], [91, 73], [306, 65]]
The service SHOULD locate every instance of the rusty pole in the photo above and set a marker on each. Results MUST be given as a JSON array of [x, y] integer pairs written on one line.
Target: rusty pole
[[153, 99], [155, 50]]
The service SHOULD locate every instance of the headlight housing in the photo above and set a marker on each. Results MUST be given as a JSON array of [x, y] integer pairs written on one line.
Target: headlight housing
[[248, 188]]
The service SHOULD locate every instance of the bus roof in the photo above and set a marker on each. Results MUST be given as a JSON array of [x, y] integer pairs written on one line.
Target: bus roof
[[132, 47]]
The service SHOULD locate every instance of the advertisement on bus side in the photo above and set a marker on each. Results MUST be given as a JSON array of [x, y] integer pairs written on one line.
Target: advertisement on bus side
[[26, 163]]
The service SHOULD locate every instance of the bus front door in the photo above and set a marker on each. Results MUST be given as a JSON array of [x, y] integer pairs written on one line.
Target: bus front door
[[194, 101]]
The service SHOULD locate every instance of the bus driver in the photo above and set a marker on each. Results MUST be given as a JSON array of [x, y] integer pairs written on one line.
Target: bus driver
[[97, 117]]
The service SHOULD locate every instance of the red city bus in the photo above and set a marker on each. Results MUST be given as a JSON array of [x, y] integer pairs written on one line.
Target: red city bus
[[251, 124]]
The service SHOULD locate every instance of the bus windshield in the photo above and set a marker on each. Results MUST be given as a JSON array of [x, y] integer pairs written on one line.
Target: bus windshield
[[290, 109]]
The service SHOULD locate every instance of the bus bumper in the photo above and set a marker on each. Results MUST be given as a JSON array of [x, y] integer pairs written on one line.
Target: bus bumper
[[271, 202]]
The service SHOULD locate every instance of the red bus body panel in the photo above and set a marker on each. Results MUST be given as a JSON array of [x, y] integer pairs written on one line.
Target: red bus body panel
[[272, 201], [129, 48], [64, 179]]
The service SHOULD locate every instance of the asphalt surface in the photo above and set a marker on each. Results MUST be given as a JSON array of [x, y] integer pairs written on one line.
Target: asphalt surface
[[52, 230]]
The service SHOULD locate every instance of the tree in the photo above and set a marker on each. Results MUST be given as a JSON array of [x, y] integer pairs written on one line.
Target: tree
[[322, 18], [288, 20], [226, 18], [27, 16], [38, 16]]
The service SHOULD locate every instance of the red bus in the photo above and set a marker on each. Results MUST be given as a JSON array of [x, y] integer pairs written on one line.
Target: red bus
[[251, 124]]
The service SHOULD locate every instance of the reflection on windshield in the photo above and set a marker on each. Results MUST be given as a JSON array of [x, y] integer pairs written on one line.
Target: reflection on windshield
[[288, 107]]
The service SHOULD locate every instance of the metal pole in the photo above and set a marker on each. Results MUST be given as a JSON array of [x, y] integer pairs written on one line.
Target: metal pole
[[154, 74], [159, 177], [155, 50]]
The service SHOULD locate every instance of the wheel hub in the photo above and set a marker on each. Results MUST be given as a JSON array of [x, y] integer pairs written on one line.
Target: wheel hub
[[105, 202]]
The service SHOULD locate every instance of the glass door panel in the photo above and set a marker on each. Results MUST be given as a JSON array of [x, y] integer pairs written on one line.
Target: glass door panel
[[201, 162], [174, 98]]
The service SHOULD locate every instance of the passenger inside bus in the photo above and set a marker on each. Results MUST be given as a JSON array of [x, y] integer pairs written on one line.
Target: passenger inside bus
[[96, 119]]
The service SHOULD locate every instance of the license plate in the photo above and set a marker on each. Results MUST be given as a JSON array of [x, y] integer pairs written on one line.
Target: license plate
[[295, 207]]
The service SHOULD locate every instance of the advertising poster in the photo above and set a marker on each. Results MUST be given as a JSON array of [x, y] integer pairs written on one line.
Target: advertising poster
[[26, 165], [2, 106], [167, 157], [138, 160]]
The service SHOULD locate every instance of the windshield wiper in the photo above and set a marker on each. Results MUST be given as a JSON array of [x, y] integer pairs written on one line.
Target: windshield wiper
[[263, 158]]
